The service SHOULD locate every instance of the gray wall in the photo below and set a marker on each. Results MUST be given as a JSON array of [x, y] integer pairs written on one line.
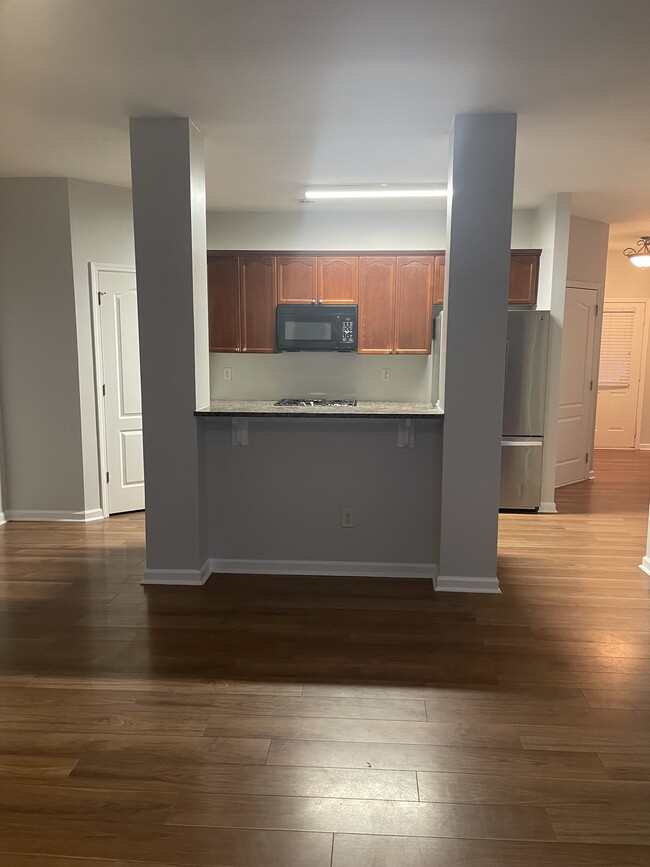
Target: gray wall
[[280, 497], [169, 221], [2, 470], [481, 174], [101, 225], [39, 383]]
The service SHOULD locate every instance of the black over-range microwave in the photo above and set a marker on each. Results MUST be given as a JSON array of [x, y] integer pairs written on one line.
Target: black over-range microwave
[[316, 327]]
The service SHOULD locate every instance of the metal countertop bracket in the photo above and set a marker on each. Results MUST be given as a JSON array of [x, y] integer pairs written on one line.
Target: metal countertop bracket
[[405, 433], [239, 431]]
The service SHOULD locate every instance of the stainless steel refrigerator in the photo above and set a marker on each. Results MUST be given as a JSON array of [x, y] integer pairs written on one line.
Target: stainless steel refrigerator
[[522, 444]]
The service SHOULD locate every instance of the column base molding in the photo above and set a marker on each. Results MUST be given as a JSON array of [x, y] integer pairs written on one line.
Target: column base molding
[[466, 584]]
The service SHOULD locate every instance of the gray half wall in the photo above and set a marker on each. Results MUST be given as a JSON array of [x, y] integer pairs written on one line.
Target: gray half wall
[[280, 497]]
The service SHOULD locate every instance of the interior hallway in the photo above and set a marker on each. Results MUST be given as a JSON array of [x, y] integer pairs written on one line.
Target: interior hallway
[[285, 721]]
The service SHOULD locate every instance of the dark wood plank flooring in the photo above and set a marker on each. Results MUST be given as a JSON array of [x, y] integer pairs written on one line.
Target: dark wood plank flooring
[[320, 722]]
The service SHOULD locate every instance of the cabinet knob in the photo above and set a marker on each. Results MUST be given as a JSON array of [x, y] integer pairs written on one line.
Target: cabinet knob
[[237, 349], [313, 302], [320, 300]]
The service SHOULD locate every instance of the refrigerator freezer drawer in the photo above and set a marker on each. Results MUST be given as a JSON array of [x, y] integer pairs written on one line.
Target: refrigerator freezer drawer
[[521, 472]]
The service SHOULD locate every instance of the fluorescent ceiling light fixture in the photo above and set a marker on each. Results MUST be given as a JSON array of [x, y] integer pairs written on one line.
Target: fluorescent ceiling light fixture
[[376, 191], [641, 256]]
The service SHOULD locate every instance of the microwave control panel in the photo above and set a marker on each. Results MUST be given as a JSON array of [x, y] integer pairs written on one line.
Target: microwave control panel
[[347, 331]]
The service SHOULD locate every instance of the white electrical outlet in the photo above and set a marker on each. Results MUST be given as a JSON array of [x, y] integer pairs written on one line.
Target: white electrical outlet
[[227, 373], [386, 374], [347, 517]]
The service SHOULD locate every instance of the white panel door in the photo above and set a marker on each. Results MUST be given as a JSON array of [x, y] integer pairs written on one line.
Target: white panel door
[[576, 385], [122, 402], [619, 375]]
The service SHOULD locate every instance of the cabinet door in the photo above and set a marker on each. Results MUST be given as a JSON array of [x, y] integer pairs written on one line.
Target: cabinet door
[[223, 304], [258, 303], [376, 304], [414, 307], [338, 280], [439, 279], [296, 279], [524, 272]]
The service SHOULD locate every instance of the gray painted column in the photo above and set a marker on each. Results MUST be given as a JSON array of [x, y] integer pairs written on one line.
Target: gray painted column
[[479, 224], [170, 246]]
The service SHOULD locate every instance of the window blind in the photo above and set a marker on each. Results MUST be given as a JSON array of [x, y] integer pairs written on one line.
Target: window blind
[[616, 348]]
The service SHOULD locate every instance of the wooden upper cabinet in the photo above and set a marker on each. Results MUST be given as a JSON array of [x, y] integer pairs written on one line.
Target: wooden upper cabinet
[[223, 304], [296, 279], [413, 310], [439, 279], [258, 303], [524, 274], [338, 280], [376, 304]]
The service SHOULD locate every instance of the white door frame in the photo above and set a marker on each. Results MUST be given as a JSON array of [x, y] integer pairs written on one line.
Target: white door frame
[[599, 288], [638, 417], [96, 269]]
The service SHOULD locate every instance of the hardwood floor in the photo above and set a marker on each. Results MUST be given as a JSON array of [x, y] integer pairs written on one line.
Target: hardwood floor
[[318, 722]]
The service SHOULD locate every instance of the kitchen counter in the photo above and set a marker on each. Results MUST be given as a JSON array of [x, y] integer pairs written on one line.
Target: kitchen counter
[[363, 409]]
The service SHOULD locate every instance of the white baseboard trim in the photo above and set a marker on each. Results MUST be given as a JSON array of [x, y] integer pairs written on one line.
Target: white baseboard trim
[[188, 577], [42, 515], [645, 447], [344, 568], [463, 584], [547, 509], [644, 565], [3, 520], [333, 568]]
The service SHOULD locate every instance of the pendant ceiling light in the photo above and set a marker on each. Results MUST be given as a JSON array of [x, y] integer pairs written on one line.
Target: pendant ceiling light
[[641, 256]]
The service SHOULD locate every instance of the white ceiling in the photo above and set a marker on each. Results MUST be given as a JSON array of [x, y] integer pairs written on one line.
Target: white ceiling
[[295, 92]]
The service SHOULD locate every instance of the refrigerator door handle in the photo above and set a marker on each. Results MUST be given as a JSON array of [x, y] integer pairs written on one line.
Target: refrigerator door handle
[[528, 441]]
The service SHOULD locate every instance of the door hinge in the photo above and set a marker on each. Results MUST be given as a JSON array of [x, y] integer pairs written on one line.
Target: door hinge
[[103, 391], [587, 458], [108, 477], [596, 309], [591, 386]]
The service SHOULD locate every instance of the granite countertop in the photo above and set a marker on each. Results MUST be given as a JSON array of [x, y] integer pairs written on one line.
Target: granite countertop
[[363, 409]]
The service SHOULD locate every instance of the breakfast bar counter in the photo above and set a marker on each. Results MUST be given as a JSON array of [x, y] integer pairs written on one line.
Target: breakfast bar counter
[[363, 409]]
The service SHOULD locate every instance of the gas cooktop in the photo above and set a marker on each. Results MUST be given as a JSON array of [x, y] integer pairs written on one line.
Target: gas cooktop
[[308, 401]]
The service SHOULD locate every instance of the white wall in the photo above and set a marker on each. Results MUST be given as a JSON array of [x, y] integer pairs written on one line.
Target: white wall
[[334, 374], [624, 280], [586, 267], [39, 383], [587, 251], [551, 235], [101, 227], [342, 230]]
